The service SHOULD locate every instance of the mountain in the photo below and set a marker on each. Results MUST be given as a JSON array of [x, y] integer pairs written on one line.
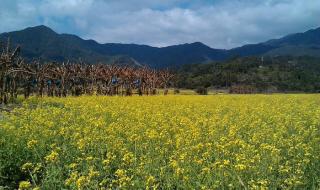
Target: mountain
[[167, 56], [307, 43], [44, 43]]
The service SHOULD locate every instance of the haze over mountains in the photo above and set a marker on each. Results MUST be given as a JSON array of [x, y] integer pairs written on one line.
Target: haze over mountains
[[42, 42]]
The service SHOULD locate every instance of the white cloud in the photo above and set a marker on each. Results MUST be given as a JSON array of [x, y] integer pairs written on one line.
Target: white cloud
[[220, 24]]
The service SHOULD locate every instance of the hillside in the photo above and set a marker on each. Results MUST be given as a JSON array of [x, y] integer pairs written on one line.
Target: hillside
[[42, 42], [274, 74]]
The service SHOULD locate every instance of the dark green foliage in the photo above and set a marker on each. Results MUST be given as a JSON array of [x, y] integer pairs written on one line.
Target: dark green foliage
[[270, 75], [202, 91], [176, 91]]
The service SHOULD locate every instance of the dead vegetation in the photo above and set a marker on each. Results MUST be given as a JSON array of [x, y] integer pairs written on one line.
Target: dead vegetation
[[62, 79]]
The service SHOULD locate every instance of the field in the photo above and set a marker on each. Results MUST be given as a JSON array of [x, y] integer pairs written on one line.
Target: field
[[162, 142]]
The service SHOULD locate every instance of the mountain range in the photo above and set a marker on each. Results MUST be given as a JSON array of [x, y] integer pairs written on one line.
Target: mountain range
[[44, 43]]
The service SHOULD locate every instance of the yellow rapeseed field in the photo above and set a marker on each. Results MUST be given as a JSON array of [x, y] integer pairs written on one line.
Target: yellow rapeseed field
[[162, 142]]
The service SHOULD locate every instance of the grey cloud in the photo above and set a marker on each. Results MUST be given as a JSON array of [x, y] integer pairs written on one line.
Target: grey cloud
[[220, 24]]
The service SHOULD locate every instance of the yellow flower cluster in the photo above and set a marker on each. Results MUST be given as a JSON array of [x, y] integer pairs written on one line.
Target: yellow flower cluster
[[52, 157], [24, 185], [164, 142]]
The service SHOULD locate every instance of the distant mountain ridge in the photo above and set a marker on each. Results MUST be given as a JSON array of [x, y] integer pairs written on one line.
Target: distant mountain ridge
[[42, 42]]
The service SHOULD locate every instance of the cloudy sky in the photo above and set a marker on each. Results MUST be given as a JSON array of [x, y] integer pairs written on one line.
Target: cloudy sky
[[217, 23]]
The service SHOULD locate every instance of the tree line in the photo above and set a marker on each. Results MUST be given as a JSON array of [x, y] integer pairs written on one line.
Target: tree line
[[61, 79], [253, 75]]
